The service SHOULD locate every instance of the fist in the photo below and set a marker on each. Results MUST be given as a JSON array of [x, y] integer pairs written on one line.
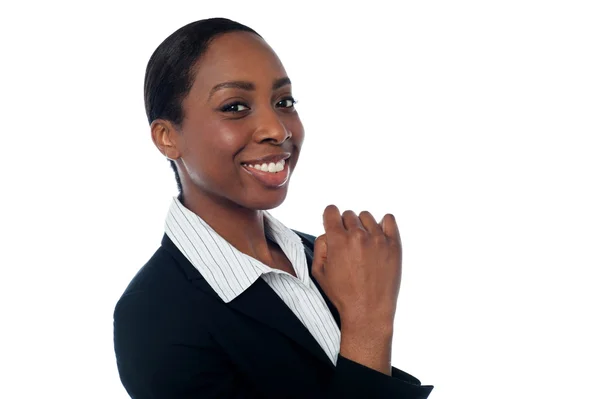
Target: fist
[[358, 264]]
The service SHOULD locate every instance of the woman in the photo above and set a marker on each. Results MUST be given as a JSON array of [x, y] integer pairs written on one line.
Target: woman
[[234, 304]]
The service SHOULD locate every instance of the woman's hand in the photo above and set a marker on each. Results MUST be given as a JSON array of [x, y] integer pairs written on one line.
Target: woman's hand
[[358, 264]]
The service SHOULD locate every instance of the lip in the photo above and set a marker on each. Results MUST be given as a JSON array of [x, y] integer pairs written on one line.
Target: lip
[[268, 159], [267, 179]]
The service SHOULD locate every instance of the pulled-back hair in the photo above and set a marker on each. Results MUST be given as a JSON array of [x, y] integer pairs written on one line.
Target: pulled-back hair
[[171, 69]]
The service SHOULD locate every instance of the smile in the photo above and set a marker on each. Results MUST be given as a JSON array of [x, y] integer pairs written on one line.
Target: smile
[[271, 167], [271, 175]]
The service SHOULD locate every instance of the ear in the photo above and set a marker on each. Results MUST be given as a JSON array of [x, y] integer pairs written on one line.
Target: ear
[[166, 138]]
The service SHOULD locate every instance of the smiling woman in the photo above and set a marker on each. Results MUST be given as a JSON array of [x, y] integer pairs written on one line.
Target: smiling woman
[[234, 304]]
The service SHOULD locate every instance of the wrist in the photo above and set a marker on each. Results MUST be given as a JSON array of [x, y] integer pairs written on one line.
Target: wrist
[[368, 344], [382, 329]]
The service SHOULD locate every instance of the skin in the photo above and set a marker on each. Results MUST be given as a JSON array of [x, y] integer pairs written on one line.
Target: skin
[[211, 144], [357, 261]]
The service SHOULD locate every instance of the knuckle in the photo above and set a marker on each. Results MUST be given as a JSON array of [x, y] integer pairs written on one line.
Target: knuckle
[[380, 239], [359, 235]]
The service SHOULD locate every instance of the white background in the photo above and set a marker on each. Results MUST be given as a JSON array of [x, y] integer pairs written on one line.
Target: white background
[[475, 122]]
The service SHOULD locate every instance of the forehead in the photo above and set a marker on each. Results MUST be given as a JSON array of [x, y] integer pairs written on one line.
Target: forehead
[[237, 56]]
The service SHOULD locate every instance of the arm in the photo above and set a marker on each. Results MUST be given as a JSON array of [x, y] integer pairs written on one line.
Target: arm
[[358, 264], [370, 346], [163, 356], [364, 369]]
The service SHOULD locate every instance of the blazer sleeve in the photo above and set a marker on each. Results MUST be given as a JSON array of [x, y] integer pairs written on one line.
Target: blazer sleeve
[[353, 380]]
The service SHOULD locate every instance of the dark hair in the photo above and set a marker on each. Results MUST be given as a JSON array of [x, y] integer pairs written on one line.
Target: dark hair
[[171, 69]]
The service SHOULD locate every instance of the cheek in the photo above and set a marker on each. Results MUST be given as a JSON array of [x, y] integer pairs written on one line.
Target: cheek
[[221, 140], [230, 140], [218, 154], [297, 130]]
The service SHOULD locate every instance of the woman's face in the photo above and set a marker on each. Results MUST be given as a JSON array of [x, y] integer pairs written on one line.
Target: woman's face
[[239, 110]]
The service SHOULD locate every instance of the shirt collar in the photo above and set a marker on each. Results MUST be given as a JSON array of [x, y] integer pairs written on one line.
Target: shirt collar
[[227, 270]]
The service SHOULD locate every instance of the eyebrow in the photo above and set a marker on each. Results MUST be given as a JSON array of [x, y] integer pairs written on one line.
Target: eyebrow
[[248, 86]]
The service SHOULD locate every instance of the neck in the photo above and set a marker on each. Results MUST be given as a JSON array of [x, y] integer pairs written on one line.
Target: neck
[[242, 227]]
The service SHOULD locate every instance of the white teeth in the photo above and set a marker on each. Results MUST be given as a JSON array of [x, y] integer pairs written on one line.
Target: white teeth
[[270, 167]]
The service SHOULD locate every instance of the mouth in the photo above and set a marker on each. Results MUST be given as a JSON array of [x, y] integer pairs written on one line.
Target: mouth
[[269, 174], [274, 158]]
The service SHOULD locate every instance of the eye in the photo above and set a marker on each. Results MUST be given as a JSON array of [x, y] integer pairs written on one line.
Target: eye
[[287, 102], [235, 107]]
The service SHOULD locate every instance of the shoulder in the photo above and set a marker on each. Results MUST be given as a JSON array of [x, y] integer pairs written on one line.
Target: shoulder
[[159, 273], [158, 287], [160, 303], [160, 323]]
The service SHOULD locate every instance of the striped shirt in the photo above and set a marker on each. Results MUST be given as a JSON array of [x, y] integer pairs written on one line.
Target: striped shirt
[[230, 272]]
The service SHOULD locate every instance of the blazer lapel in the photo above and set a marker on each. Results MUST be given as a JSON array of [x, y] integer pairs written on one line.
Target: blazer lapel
[[259, 302]]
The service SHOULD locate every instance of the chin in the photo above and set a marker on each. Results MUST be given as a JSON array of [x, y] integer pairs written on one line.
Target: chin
[[265, 201]]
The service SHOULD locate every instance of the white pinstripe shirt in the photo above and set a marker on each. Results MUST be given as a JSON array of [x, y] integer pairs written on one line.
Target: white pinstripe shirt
[[230, 272]]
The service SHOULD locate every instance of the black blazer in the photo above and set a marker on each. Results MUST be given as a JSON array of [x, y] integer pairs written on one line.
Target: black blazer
[[175, 338]]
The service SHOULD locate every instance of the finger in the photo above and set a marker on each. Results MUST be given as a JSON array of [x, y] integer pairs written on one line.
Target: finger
[[319, 256], [369, 222], [332, 221], [351, 221], [390, 227]]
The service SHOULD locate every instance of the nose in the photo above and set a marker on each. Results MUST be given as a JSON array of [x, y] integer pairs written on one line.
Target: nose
[[270, 127]]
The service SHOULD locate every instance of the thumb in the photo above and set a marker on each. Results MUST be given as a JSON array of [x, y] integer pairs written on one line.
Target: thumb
[[319, 256]]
